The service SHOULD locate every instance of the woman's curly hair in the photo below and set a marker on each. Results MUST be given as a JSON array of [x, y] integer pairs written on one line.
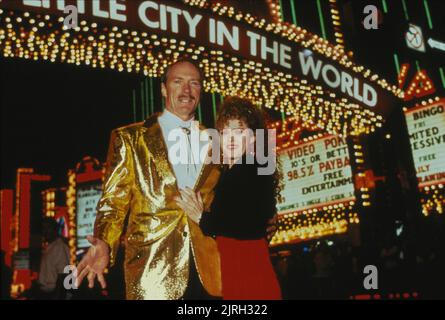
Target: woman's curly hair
[[255, 118]]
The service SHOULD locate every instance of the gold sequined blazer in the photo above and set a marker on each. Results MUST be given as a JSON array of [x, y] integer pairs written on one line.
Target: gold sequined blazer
[[160, 238]]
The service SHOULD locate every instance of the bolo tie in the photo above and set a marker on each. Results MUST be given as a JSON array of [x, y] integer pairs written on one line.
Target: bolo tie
[[190, 161]]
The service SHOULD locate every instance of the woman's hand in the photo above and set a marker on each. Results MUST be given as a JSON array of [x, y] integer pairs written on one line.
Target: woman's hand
[[191, 203]]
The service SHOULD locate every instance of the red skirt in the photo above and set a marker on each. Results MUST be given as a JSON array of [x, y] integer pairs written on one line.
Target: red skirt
[[246, 270]]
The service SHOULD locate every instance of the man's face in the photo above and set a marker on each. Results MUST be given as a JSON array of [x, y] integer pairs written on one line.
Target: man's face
[[182, 90]]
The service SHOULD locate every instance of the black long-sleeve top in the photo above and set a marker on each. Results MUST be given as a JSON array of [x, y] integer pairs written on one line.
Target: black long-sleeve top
[[244, 202]]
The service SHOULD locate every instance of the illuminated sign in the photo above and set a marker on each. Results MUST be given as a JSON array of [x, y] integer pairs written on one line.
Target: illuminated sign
[[436, 44], [205, 28], [87, 197], [426, 127], [315, 174], [21, 260], [414, 38], [421, 85]]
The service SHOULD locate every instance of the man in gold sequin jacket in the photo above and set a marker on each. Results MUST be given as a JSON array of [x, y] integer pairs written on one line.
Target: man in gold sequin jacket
[[166, 254]]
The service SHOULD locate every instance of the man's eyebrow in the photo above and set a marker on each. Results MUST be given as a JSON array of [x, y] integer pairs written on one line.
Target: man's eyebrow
[[182, 78]]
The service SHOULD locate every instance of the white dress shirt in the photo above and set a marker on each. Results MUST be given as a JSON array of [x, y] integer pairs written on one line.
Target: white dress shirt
[[184, 147]]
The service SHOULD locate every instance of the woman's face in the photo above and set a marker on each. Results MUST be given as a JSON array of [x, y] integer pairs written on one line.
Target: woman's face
[[234, 138]]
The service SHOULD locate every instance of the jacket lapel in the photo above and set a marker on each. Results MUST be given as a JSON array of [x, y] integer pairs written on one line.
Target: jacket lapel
[[154, 140]]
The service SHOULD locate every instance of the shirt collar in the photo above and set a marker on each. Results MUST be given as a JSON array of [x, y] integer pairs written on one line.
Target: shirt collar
[[172, 121]]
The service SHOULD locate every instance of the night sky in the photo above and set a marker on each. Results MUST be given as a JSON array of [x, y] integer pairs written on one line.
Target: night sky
[[52, 115]]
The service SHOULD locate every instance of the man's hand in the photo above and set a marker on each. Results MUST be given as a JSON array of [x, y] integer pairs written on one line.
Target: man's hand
[[94, 263], [191, 203]]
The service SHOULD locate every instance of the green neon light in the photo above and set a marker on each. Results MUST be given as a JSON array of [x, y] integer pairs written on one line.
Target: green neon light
[[442, 76], [294, 13], [148, 100], [428, 14], [385, 6], [417, 65], [396, 61], [143, 101], [320, 14], [152, 97], [214, 106], [405, 10], [199, 113], [281, 10]]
